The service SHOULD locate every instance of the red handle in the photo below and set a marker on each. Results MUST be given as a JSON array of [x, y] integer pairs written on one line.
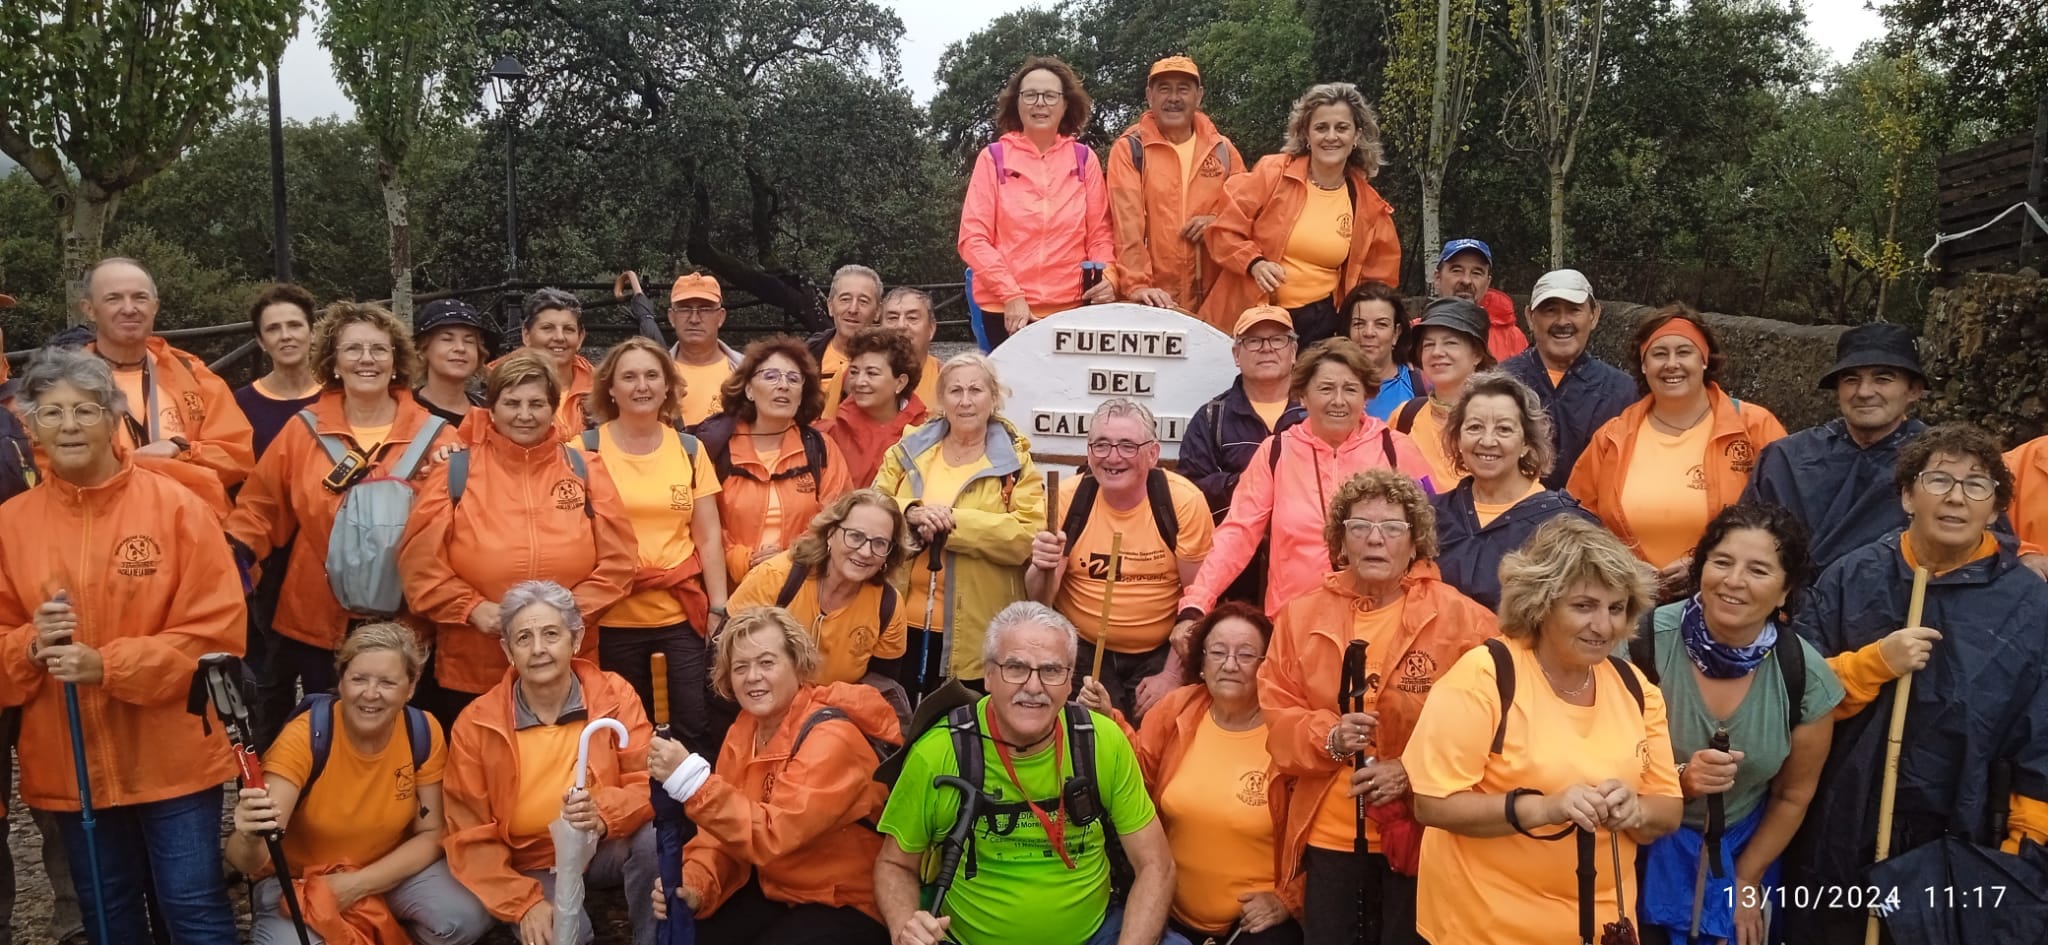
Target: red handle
[[252, 768]]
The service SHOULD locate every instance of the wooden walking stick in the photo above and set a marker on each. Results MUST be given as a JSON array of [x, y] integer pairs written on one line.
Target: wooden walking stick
[[1052, 501], [1116, 566], [658, 665], [1902, 696]]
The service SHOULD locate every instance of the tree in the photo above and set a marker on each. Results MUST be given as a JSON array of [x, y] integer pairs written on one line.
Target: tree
[[409, 66], [1560, 46], [1438, 61], [1993, 53], [114, 91], [1895, 119], [1256, 60]]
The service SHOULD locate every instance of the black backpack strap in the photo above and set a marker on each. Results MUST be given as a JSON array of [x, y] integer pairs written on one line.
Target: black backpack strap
[[814, 449], [1404, 419], [888, 607], [420, 738], [1628, 679], [1791, 657], [826, 714], [1504, 679], [1387, 446], [1160, 493], [1080, 506], [590, 441], [793, 583], [1137, 153], [1081, 741], [318, 708], [1642, 650], [458, 476], [964, 727]]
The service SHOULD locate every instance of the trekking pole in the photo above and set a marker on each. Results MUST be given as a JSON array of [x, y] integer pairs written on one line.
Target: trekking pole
[[218, 683], [1710, 845], [1587, 873], [1902, 697], [1351, 695], [954, 844], [1116, 566], [657, 666], [86, 818], [1052, 503], [935, 561], [1622, 932]]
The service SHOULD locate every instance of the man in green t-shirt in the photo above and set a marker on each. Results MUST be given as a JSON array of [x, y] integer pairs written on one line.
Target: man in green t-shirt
[[1026, 889]]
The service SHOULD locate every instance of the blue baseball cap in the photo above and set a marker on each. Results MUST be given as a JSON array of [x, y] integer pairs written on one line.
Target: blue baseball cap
[[1455, 247]]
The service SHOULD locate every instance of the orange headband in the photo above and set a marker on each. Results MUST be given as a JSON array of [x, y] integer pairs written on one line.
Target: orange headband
[[1681, 327]]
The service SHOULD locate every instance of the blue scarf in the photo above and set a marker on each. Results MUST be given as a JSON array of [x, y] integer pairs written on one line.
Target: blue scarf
[[1718, 660]]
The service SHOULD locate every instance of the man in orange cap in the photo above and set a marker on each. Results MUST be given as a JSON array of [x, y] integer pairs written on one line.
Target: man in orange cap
[[1166, 177], [696, 310]]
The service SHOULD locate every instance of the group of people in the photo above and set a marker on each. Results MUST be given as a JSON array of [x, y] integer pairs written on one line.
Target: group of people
[[1435, 631]]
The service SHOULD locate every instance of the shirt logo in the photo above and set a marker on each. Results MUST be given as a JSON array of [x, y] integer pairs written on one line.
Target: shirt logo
[[568, 493], [1741, 456], [1418, 672], [194, 408], [806, 483], [137, 556], [406, 782], [1251, 789], [1210, 167], [1344, 226], [679, 498], [1696, 479], [863, 642]]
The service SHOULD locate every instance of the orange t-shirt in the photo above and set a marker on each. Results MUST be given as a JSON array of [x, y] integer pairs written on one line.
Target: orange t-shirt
[[547, 769], [660, 491], [846, 637], [368, 439], [832, 371], [1148, 586], [701, 383], [1488, 512], [1428, 434], [1270, 412], [1556, 377], [942, 484], [1664, 494], [1336, 823], [928, 384], [1316, 248], [1513, 890], [1218, 826], [363, 806]]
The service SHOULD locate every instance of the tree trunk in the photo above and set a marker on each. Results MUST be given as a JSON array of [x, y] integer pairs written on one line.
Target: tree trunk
[[1432, 219], [393, 180], [1557, 172], [794, 295], [85, 212]]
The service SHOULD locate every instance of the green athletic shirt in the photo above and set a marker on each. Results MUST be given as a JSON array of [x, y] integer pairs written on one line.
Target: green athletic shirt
[[1021, 893]]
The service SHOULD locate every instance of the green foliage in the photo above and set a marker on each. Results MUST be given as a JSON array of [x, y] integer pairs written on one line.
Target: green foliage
[[408, 65], [1256, 58], [1993, 53]]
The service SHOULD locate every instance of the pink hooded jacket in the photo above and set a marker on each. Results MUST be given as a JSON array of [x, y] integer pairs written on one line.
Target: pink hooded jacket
[[1026, 237]]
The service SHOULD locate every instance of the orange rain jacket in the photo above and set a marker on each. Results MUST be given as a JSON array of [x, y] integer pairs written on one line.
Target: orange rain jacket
[[795, 820], [483, 786], [155, 588], [864, 442], [1259, 216], [2029, 509], [1148, 208], [1163, 743], [285, 503], [523, 517], [1741, 431], [1027, 236], [1298, 682], [221, 438], [743, 497]]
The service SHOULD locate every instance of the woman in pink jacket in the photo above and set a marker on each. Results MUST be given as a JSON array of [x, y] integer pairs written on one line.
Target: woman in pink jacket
[[1037, 207], [1283, 500]]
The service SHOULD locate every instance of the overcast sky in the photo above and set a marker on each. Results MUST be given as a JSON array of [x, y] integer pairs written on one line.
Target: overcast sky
[[1839, 26]]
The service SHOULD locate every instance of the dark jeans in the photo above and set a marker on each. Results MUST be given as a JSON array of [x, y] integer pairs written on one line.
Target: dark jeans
[[1315, 321], [918, 644], [1286, 933], [165, 851], [1122, 672], [273, 704], [1343, 890], [628, 651], [993, 327], [751, 918]]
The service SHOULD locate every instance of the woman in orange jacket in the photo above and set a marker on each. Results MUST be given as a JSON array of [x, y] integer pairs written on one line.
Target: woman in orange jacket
[[775, 470], [114, 580], [835, 582], [882, 377], [1413, 626], [1659, 472], [365, 358], [1305, 225], [513, 505], [1037, 206], [783, 851], [1203, 752]]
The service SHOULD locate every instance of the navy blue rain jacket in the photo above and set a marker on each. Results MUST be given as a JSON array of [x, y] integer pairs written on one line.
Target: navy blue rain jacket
[[1593, 393], [1469, 555], [1219, 441]]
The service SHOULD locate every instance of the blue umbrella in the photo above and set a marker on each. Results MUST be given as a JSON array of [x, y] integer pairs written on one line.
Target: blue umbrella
[[670, 831]]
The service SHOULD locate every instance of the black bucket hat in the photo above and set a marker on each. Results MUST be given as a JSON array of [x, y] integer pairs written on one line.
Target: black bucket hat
[[1460, 315], [1879, 345]]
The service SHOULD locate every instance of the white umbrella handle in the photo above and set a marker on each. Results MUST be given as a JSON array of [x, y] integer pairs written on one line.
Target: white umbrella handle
[[583, 744]]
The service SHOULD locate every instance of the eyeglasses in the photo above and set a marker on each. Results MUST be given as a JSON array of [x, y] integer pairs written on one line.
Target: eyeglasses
[[687, 313], [1267, 343], [1016, 674], [1040, 97], [1363, 528], [1124, 448], [1221, 656], [373, 352], [1975, 488], [53, 416], [774, 377], [855, 540]]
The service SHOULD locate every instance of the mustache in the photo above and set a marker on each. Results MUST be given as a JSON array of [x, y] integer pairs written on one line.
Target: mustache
[[1028, 701]]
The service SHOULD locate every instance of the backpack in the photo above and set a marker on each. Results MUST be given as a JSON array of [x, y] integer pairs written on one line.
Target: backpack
[[318, 707], [1138, 155], [1404, 418], [1158, 494], [798, 574], [689, 443], [716, 435], [1504, 677], [17, 458], [1642, 651], [362, 551], [883, 747], [458, 477], [995, 153], [963, 724]]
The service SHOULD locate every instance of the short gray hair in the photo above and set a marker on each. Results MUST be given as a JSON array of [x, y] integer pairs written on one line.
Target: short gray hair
[[1124, 407], [980, 362], [87, 372], [528, 593], [94, 270], [1014, 617], [909, 292], [551, 298], [855, 269]]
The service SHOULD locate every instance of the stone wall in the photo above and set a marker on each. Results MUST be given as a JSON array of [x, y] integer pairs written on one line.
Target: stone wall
[[1772, 363], [1983, 345]]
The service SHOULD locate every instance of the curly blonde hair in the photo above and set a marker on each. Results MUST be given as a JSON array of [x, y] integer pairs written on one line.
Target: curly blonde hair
[[814, 549], [604, 408], [1392, 486], [339, 315], [1368, 155], [796, 642], [1564, 552]]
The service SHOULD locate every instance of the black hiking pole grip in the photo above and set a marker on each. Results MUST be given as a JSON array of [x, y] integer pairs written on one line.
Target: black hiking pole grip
[[1588, 924], [1351, 696], [954, 845]]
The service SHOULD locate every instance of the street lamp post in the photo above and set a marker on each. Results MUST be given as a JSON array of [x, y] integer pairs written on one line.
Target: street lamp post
[[506, 74]]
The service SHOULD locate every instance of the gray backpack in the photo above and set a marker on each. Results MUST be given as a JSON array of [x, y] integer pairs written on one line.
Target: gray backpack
[[362, 552]]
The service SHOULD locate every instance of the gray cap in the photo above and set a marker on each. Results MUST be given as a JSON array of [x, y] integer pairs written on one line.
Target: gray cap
[[1461, 315], [1570, 285]]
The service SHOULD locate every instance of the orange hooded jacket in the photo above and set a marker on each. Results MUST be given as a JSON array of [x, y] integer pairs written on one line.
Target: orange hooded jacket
[[743, 497], [1298, 683], [197, 400], [285, 503], [864, 442], [2029, 509], [525, 516], [1149, 207], [1258, 217], [1741, 431], [483, 787], [795, 820], [155, 588]]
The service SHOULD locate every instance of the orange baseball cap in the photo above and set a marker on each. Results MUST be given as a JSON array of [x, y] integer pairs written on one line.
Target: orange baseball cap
[[696, 286], [6, 301], [1262, 313], [1172, 64]]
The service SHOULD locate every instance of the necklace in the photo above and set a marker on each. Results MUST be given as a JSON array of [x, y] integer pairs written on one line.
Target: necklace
[[1569, 692], [1677, 428], [123, 365]]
